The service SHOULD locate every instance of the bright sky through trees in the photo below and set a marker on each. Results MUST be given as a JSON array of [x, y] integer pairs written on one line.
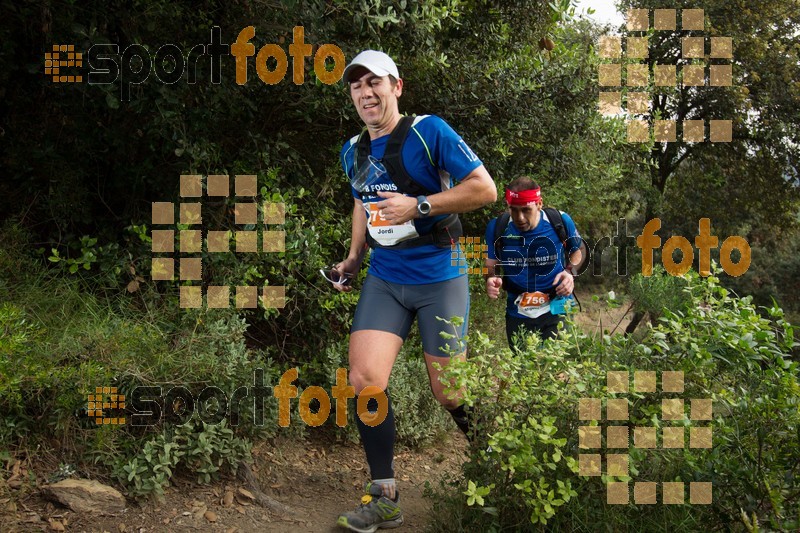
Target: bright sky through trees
[[605, 11]]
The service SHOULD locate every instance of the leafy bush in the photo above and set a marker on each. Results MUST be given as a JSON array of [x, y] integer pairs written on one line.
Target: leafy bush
[[203, 450], [522, 464], [59, 343], [658, 293], [774, 274]]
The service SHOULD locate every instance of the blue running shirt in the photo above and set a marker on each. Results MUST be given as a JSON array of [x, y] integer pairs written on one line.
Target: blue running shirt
[[434, 164], [533, 258]]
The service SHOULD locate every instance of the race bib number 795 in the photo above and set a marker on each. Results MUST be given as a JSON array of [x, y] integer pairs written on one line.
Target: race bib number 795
[[386, 233]]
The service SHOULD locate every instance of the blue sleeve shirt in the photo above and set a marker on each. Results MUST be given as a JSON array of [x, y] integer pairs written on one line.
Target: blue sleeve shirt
[[531, 259], [435, 156]]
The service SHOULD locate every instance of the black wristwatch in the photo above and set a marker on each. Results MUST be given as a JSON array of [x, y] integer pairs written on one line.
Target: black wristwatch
[[423, 206]]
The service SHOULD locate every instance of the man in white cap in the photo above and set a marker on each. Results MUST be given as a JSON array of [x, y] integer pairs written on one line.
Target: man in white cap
[[410, 177]]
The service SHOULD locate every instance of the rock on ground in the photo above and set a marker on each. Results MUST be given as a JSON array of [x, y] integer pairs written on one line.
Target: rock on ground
[[85, 496]]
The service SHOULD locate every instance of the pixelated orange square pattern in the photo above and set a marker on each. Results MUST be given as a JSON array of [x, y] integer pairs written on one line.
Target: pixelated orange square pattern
[[664, 436], [638, 79], [245, 209]]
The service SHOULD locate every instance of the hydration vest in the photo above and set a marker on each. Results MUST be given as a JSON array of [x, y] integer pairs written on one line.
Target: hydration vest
[[445, 232], [555, 219]]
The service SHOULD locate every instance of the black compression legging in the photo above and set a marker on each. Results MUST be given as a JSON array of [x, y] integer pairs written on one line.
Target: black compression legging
[[378, 441], [546, 326]]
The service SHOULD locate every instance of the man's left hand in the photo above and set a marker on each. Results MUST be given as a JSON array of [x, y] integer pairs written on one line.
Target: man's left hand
[[397, 208], [564, 283]]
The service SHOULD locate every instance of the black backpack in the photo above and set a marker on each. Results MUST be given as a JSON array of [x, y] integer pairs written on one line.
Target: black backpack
[[444, 233], [556, 220]]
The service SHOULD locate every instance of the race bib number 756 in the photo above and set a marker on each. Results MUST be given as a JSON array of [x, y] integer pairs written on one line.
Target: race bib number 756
[[532, 304], [533, 299]]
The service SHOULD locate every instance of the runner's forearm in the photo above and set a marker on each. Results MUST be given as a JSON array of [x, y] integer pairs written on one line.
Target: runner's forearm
[[358, 239], [474, 192], [575, 260]]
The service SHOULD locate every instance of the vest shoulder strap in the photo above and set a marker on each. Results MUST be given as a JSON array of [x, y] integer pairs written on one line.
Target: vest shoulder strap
[[557, 221], [500, 225], [445, 232], [393, 157], [553, 216]]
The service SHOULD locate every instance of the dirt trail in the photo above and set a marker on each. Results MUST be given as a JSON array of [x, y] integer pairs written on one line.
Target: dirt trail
[[596, 317], [315, 478]]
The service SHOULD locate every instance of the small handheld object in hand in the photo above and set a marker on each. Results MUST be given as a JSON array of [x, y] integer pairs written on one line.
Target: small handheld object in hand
[[335, 277], [561, 305]]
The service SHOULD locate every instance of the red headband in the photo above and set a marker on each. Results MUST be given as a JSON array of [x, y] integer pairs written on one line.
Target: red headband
[[522, 198]]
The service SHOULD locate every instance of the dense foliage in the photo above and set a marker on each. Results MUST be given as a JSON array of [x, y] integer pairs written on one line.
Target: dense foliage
[[58, 343], [523, 465], [82, 164], [749, 186], [85, 165]]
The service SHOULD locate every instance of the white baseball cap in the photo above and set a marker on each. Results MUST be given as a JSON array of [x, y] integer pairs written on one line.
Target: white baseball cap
[[376, 62]]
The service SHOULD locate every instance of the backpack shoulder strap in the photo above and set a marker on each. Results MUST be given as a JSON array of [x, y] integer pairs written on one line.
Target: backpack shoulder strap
[[501, 223], [417, 120], [557, 221], [392, 156], [363, 148], [393, 159]]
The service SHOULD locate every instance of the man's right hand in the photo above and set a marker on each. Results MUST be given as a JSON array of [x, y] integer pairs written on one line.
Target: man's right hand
[[351, 265], [493, 285]]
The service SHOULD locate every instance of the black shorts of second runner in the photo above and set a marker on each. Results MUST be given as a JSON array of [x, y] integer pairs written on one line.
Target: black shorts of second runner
[[546, 326], [391, 307]]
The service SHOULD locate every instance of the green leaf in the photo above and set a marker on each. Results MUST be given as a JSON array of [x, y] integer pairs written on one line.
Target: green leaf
[[112, 101]]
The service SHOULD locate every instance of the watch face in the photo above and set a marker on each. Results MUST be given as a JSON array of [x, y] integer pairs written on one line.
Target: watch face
[[423, 205]]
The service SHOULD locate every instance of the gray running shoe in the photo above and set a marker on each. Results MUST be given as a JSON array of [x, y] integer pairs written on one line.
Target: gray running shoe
[[375, 512]]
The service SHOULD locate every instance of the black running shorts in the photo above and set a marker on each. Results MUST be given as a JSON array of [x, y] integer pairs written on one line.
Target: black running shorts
[[391, 307]]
